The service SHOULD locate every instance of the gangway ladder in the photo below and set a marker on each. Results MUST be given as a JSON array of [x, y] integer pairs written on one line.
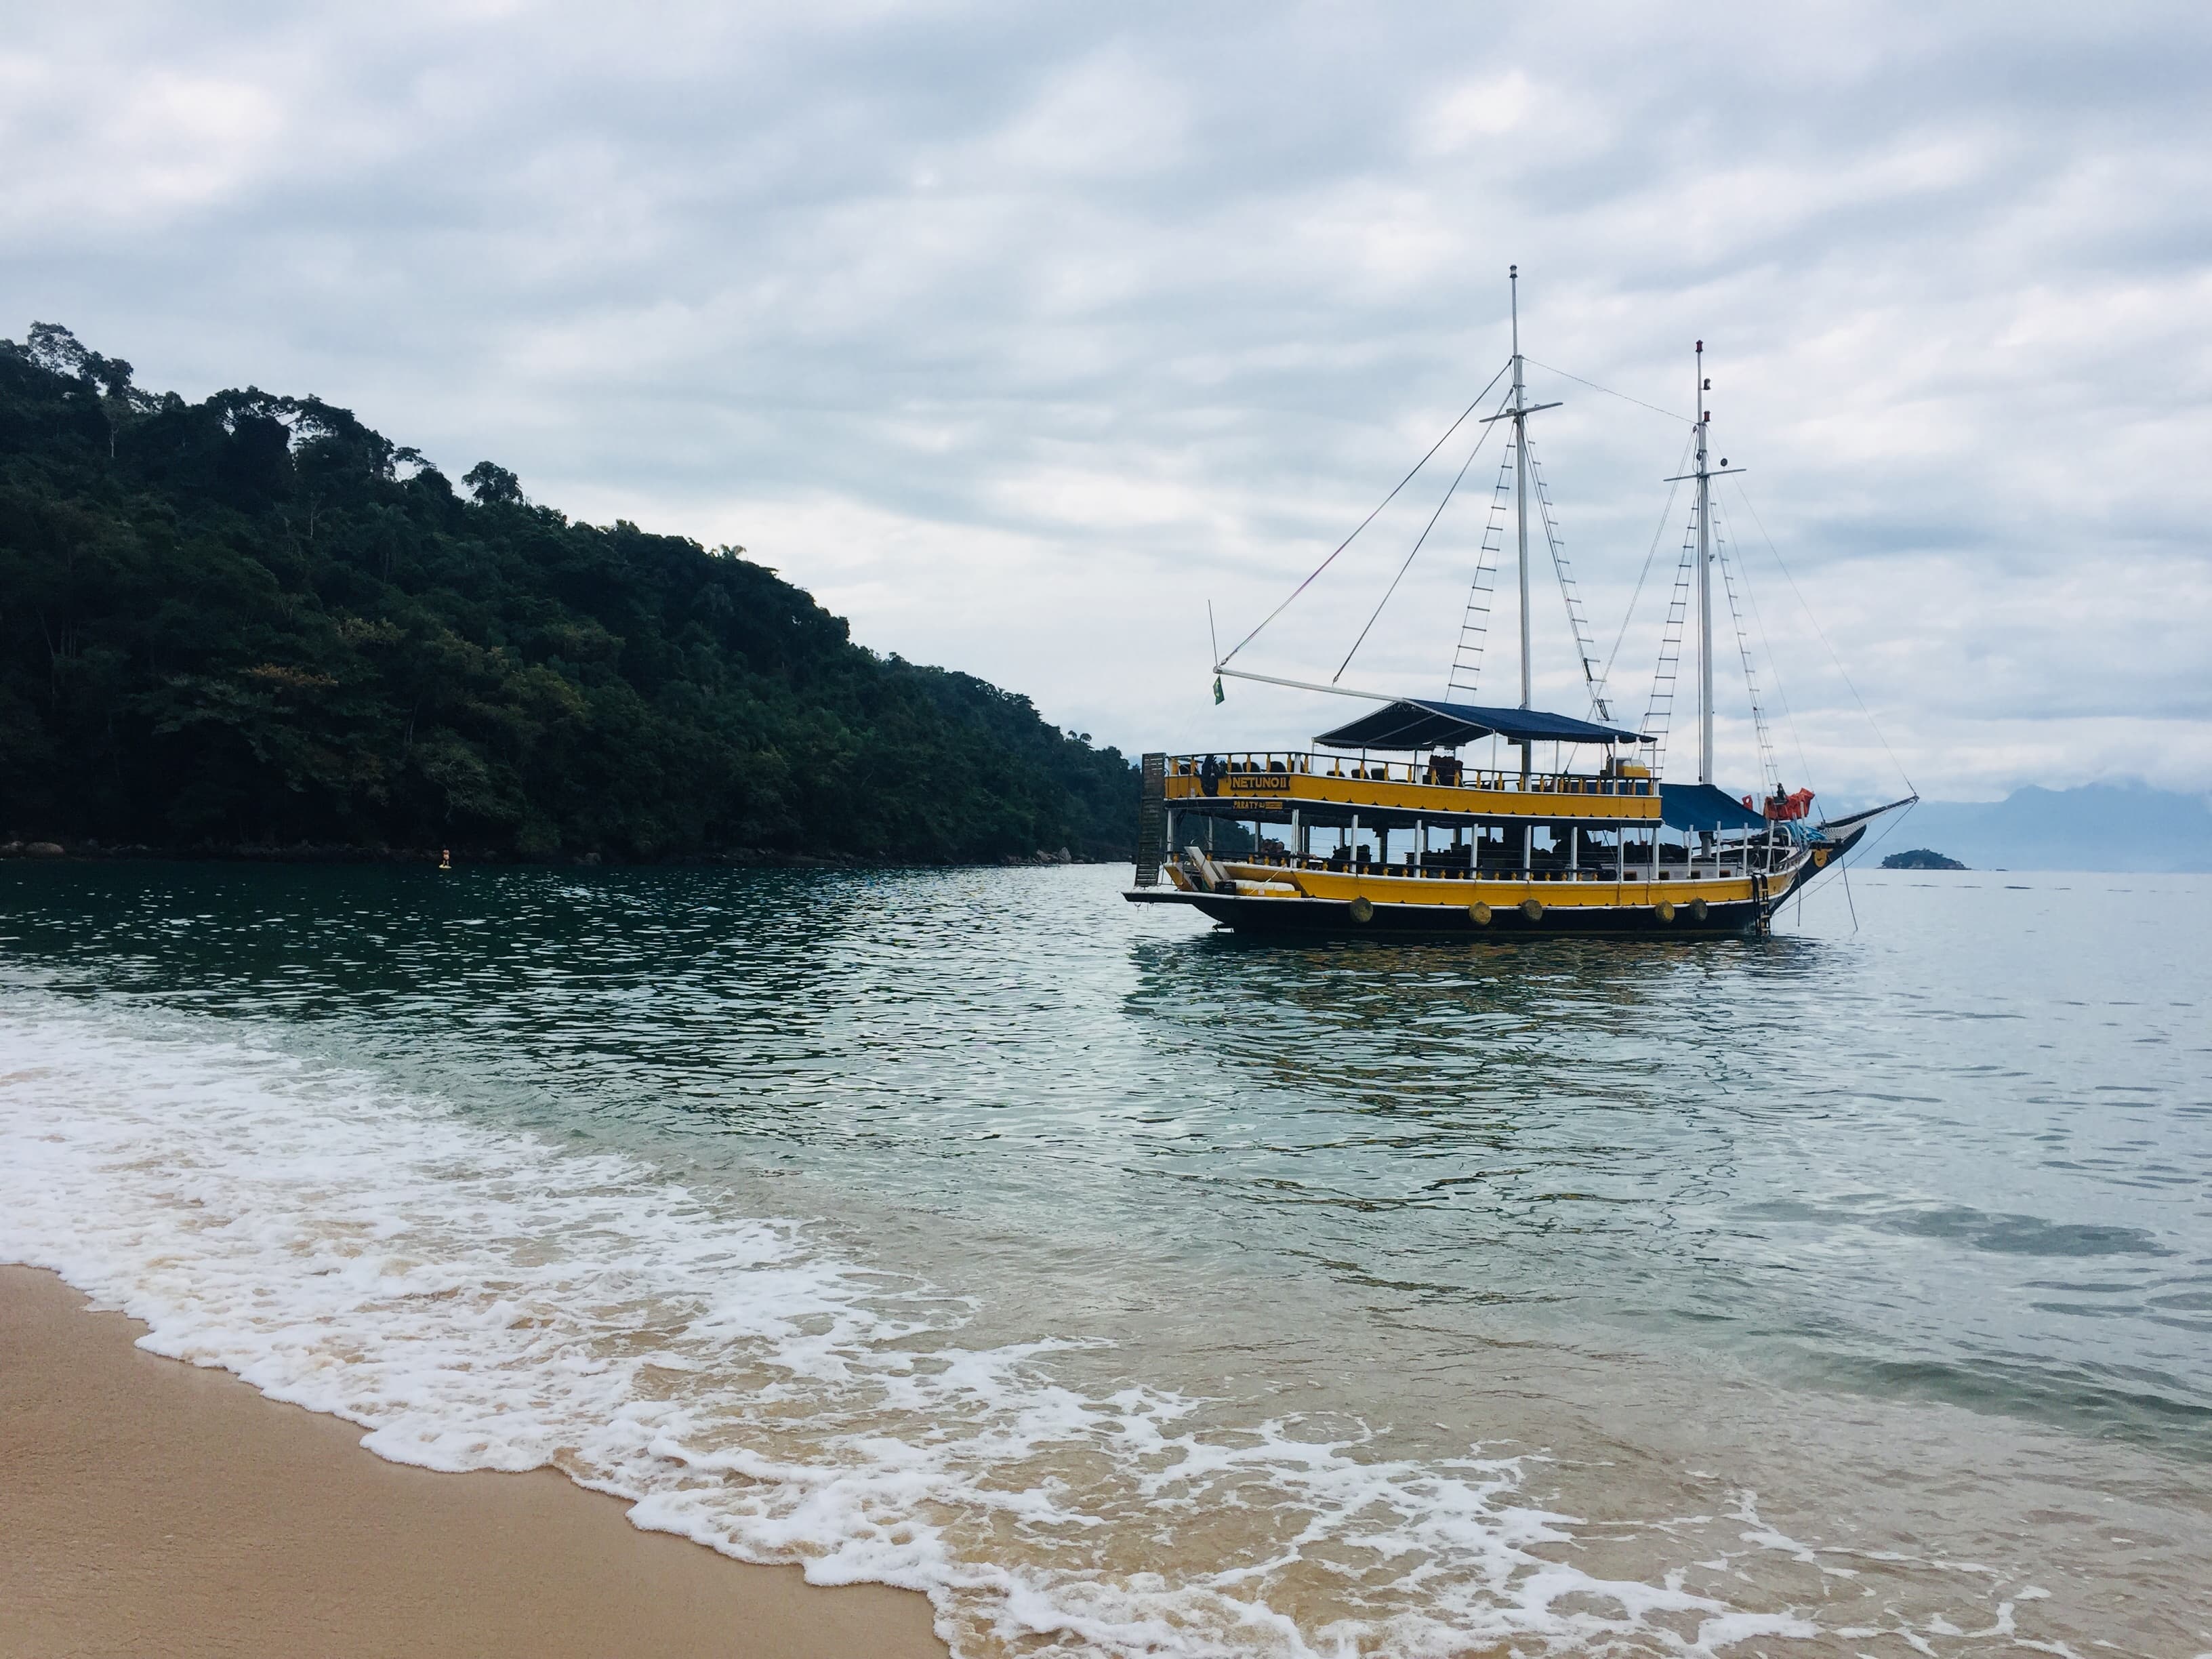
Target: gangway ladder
[[1153, 821]]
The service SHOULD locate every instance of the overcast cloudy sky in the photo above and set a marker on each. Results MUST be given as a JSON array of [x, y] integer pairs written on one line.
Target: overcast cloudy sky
[[1017, 334]]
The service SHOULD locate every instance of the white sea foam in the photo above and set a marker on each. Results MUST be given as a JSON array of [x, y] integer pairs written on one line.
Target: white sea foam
[[478, 1298]]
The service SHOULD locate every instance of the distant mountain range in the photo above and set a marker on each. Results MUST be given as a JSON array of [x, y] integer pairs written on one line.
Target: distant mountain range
[[2100, 826]]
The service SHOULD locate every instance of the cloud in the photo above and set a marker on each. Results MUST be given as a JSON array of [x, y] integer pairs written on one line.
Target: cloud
[[1019, 334], [1480, 109]]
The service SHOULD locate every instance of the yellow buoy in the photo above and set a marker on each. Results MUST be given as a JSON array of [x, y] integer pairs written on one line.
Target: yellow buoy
[[1362, 909], [1479, 914], [1532, 909]]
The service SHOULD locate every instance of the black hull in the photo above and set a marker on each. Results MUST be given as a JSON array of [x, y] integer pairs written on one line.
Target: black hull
[[1839, 848], [1313, 917]]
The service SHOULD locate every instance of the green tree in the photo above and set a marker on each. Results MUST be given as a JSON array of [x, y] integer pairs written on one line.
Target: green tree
[[493, 486], [253, 620]]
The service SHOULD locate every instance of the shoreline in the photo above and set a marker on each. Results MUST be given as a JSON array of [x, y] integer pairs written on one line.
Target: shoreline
[[743, 857], [154, 1506]]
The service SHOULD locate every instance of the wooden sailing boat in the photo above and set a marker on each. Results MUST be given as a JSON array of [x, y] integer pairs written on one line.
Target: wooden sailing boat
[[1603, 847]]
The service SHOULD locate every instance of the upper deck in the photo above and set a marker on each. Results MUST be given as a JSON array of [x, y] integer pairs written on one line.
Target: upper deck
[[1240, 785]]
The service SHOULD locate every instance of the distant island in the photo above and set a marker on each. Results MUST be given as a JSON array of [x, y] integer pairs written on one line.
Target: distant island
[[2093, 826], [1920, 858], [253, 624]]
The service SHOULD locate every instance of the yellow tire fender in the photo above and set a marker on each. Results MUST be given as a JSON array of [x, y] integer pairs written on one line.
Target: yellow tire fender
[[1532, 909], [1479, 914], [1697, 910], [1664, 910], [1362, 909]]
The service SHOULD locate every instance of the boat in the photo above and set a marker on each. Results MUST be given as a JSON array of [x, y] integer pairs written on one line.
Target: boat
[[1386, 826]]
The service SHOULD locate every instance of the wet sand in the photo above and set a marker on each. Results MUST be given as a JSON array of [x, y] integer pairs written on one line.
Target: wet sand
[[149, 1506]]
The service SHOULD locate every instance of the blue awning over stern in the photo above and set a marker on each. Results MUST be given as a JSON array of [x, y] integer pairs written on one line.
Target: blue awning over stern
[[1702, 806]]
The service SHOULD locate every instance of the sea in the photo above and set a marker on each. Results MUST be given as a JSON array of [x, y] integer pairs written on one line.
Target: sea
[[1132, 1288]]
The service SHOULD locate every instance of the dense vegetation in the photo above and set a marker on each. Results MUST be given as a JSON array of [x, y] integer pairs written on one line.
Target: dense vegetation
[[253, 622], [1920, 858]]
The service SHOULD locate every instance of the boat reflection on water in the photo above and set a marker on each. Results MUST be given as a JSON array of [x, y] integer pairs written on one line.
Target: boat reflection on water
[[1413, 1023]]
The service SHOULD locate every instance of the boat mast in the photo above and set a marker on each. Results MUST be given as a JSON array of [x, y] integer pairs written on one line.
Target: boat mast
[[1520, 489], [1521, 410], [1705, 587], [1705, 473]]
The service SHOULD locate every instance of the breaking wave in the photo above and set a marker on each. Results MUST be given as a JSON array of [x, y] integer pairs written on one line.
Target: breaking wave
[[481, 1299]]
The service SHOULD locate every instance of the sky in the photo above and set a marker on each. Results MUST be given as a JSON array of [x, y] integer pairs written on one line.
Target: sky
[[1021, 334]]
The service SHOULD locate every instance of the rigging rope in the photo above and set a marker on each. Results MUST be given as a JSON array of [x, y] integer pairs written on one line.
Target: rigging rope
[[1812, 617], [1666, 516], [1781, 690], [1610, 392], [1369, 520], [1584, 647], [1887, 834], [1788, 716], [1772, 773], [1408, 565]]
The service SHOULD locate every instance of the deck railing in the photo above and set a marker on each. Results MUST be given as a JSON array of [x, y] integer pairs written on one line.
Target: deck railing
[[1633, 870], [1426, 773]]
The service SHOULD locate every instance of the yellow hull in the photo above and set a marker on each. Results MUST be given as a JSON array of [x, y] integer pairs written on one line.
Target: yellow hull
[[1499, 891]]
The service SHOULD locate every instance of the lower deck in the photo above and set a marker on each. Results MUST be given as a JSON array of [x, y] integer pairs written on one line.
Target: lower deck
[[1730, 891], [1692, 894]]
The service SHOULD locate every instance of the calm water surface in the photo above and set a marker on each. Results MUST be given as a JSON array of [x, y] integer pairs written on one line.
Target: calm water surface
[[1133, 1288]]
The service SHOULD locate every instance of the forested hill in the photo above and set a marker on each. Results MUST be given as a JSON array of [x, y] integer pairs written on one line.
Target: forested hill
[[254, 623]]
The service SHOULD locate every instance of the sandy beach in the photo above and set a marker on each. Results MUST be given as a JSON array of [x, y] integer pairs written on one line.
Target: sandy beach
[[148, 1506]]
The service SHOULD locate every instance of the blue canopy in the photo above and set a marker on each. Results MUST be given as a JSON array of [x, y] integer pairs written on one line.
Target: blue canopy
[[1701, 806], [1418, 723]]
